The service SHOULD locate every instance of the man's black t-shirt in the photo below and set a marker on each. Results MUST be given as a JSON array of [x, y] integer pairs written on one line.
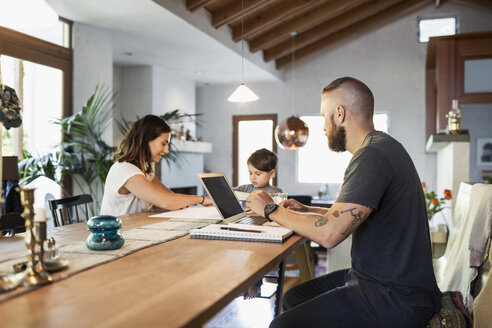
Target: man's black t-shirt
[[392, 246]]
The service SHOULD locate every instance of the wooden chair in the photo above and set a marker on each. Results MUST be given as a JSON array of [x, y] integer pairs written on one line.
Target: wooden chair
[[66, 210]]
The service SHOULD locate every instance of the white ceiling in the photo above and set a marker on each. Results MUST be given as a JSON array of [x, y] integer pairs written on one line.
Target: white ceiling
[[144, 33]]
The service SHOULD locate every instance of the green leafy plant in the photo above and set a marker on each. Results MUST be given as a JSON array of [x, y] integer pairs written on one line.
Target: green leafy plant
[[84, 155], [433, 203]]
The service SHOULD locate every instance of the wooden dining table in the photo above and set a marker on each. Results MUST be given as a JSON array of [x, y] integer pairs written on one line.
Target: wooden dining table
[[179, 283]]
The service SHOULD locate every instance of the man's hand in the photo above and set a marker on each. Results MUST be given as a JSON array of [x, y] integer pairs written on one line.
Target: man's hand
[[207, 201], [294, 205], [257, 201]]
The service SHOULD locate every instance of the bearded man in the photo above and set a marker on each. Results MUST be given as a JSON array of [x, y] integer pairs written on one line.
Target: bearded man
[[391, 282]]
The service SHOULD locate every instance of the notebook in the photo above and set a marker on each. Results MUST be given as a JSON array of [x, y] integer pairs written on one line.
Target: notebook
[[242, 232], [225, 200]]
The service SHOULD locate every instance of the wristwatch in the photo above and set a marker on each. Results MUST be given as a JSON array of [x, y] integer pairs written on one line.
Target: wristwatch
[[269, 209]]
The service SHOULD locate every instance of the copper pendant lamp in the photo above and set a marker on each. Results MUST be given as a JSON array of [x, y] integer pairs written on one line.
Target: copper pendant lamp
[[292, 133]]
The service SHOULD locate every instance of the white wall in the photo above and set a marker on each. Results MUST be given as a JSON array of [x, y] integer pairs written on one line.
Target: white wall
[[170, 92], [390, 60], [142, 90], [92, 65]]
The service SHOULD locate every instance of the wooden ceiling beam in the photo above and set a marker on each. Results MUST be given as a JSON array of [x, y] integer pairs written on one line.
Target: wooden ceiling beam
[[300, 24], [273, 16], [354, 30], [484, 4], [193, 5], [327, 28], [233, 11]]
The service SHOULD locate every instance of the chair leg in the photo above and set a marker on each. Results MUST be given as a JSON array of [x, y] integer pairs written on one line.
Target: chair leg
[[280, 288]]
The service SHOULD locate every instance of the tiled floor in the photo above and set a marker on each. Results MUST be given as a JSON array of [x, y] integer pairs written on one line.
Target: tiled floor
[[258, 312]]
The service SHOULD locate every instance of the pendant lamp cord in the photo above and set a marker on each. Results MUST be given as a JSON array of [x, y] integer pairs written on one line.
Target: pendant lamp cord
[[293, 34], [242, 41]]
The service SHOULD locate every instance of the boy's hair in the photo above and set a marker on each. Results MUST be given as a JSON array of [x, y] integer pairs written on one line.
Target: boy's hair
[[263, 159]]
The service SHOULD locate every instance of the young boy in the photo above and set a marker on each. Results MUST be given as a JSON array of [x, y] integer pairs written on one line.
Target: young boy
[[262, 167]]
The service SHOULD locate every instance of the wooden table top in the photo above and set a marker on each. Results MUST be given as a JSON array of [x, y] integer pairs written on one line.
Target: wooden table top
[[179, 283]]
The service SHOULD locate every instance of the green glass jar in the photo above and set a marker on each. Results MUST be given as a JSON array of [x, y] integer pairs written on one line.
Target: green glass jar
[[104, 233]]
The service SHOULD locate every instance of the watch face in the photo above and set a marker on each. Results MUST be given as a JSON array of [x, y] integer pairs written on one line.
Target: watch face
[[269, 208]]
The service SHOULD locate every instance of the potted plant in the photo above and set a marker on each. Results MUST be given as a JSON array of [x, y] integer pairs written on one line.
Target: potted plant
[[83, 155]]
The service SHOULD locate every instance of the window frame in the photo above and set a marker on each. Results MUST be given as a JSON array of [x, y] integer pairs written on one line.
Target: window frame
[[25, 47], [431, 17]]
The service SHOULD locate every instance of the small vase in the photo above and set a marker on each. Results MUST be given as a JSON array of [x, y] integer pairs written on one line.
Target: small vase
[[104, 233]]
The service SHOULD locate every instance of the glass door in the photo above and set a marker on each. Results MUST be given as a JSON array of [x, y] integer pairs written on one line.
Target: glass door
[[40, 70], [251, 132], [40, 91]]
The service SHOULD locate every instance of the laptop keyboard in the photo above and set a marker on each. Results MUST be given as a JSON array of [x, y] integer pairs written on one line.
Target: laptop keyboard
[[254, 220]]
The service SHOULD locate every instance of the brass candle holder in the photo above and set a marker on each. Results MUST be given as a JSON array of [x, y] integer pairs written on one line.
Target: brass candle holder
[[36, 274]]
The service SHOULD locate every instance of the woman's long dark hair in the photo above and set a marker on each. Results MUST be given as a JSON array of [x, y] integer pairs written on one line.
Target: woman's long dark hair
[[134, 147]]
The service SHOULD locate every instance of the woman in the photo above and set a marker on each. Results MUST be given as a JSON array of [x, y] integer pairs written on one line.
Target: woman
[[131, 185]]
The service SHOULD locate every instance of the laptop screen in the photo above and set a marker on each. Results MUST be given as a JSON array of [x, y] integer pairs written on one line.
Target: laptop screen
[[219, 190]]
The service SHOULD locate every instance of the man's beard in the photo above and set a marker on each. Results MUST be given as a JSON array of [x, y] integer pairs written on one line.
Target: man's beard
[[337, 140]]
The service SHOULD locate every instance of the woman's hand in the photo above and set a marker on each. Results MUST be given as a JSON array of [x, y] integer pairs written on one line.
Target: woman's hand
[[293, 205]]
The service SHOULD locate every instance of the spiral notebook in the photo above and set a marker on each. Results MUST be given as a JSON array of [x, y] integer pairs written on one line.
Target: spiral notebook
[[243, 232]]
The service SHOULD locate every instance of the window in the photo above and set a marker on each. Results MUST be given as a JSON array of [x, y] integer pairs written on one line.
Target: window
[[316, 163], [429, 27], [40, 72], [251, 132]]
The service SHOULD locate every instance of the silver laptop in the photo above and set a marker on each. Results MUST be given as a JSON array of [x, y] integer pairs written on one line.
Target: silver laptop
[[225, 201]]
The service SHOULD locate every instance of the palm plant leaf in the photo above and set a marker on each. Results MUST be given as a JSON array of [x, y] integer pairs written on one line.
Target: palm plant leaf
[[84, 154]]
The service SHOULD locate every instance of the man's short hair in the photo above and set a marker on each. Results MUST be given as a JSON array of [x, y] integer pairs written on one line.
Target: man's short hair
[[364, 98]]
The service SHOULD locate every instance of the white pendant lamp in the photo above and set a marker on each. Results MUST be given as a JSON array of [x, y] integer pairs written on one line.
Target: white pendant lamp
[[242, 93], [26, 14]]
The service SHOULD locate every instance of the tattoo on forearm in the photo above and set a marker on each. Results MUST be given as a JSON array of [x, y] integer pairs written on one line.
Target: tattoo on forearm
[[321, 222], [324, 219], [357, 218]]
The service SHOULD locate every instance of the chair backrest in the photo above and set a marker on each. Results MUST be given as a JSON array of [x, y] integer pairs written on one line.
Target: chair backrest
[[461, 267], [67, 211], [47, 199]]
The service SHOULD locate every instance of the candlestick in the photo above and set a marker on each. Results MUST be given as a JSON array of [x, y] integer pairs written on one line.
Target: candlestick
[[35, 275], [40, 215]]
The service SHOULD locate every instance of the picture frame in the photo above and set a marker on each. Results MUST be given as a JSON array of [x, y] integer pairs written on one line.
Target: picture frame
[[484, 151]]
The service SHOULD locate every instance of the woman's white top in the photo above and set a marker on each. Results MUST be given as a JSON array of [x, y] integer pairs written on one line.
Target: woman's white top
[[116, 204]]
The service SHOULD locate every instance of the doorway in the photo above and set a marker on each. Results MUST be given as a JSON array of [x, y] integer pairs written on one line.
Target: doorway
[[251, 132]]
